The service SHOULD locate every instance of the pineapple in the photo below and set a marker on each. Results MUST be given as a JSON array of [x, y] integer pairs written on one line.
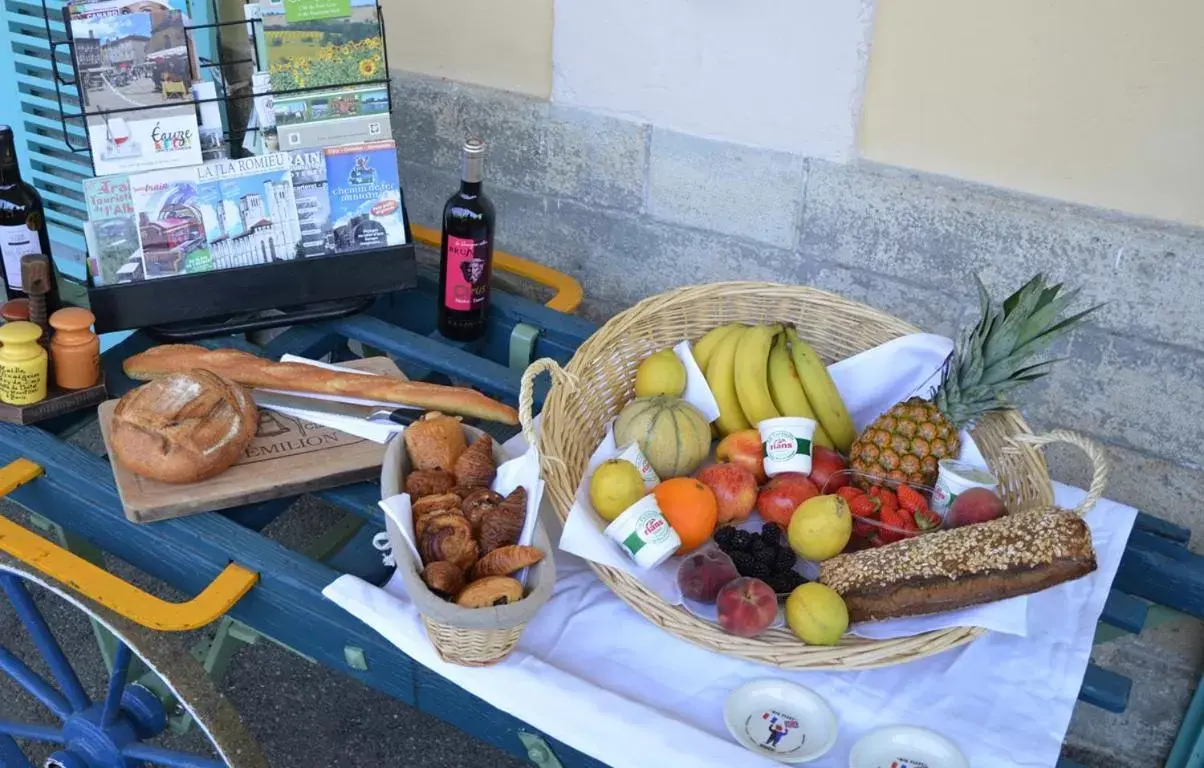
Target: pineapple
[[991, 360]]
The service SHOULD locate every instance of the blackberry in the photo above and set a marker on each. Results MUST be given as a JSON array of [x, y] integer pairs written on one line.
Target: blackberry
[[743, 562], [724, 537], [741, 541], [781, 583], [784, 561], [771, 534], [759, 570], [794, 578], [759, 548]]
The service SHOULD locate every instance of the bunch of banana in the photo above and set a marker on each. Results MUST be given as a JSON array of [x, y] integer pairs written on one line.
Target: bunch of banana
[[761, 372]]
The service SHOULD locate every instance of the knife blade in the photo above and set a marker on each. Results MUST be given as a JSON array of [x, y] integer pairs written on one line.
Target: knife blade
[[371, 413]]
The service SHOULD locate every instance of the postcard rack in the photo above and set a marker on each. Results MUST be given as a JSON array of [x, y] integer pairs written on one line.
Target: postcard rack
[[247, 298]]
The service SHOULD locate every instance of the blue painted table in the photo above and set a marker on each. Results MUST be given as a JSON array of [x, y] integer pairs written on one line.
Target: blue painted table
[[77, 493]]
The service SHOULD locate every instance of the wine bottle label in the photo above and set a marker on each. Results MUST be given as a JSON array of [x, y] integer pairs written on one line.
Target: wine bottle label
[[467, 273], [16, 242]]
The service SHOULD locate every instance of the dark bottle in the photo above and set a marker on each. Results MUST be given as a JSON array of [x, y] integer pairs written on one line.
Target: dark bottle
[[22, 222], [467, 258]]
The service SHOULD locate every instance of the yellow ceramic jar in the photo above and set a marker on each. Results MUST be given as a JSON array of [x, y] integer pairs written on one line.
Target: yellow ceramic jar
[[23, 364]]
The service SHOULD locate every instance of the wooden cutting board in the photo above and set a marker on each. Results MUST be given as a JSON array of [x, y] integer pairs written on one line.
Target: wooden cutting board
[[288, 457]]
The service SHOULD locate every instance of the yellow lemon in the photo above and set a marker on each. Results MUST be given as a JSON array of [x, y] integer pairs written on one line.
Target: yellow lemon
[[615, 486], [817, 614], [660, 373], [820, 528]]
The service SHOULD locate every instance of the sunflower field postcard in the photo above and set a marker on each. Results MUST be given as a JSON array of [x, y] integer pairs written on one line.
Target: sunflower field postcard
[[322, 44]]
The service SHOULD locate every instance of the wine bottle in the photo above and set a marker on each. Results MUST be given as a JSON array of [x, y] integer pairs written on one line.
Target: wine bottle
[[466, 265], [22, 222]]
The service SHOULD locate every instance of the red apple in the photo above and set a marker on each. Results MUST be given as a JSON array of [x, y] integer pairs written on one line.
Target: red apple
[[825, 463], [702, 574], [977, 505], [735, 489], [779, 499], [746, 607], [743, 448]]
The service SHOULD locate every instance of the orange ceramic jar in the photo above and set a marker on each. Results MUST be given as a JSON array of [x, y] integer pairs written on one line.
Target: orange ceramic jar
[[75, 349]]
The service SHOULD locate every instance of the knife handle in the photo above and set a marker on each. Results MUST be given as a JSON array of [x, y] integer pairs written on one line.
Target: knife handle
[[403, 416]]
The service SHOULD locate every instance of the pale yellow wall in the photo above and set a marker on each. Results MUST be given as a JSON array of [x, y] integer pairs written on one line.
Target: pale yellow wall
[[1092, 101], [499, 43]]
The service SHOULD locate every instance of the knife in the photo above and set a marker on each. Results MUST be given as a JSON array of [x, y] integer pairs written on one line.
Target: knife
[[371, 413]]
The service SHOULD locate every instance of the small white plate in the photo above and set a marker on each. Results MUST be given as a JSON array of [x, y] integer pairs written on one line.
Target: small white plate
[[780, 720], [906, 746]]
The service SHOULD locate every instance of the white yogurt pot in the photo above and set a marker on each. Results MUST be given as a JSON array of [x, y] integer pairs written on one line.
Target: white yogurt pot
[[635, 456], [644, 533], [954, 479], [786, 444]]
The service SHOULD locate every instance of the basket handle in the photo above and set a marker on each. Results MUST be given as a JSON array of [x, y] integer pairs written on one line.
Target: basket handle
[[1094, 451], [526, 393]]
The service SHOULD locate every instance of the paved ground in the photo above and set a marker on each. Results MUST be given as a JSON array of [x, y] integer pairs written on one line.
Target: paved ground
[[309, 717]]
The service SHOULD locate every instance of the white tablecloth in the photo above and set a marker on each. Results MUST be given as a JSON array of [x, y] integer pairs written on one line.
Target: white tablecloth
[[593, 673]]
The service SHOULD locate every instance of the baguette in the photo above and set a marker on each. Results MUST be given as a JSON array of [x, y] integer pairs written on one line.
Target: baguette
[[257, 373], [1013, 555]]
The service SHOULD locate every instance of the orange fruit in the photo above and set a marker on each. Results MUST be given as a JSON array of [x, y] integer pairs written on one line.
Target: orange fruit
[[691, 509]]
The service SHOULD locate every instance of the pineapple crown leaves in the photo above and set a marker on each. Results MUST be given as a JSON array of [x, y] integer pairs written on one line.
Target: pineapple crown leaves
[[993, 358]]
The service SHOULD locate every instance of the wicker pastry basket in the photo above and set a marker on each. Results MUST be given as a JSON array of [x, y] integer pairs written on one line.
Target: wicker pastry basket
[[598, 381], [475, 637]]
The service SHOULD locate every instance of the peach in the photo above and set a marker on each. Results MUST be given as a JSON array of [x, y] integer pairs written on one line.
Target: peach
[[735, 489], [746, 607], [743, 448], [977, 505], [702, 574], [779, 499], [826, 466]]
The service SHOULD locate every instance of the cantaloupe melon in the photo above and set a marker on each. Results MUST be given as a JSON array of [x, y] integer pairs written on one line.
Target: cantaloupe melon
[[674, 436]]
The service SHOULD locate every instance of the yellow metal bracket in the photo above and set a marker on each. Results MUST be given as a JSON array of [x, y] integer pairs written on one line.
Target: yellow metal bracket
[[103, 587], [568, 291]]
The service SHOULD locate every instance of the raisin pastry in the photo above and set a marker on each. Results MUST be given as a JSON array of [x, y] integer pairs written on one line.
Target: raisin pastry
[[429, 482], [504, 561], [448, 536], [478, 503], [434, 442], [490, 592], [443, 577], [476, 467]]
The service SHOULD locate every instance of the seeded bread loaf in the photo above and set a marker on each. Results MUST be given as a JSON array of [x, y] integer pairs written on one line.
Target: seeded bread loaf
[[1013, 555]]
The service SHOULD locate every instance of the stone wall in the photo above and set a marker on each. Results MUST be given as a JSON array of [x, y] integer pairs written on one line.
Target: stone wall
[[632, 210]]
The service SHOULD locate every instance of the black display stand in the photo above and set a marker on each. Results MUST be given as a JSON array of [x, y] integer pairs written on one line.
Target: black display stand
[[225, 301]]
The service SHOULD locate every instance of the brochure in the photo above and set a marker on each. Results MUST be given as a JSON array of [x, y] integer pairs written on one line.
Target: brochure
[[365, 196]]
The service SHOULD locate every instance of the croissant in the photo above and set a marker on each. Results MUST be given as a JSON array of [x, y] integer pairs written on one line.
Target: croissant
[[504, 561], [502, 526], [476, 467], [448, 536], [434, 442], [443, 577], [429, 482], [489, 592], [478, 503]]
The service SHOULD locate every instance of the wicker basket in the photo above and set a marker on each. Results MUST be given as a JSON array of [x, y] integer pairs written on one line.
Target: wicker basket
[[468, 637], [598, 381]]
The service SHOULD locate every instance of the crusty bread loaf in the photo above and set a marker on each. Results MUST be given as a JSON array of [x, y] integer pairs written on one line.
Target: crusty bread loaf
[[257, 373], [184, 427], [1013, 555]]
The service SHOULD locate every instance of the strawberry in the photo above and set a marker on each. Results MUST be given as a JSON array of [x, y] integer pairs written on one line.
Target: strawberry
[[910, 499], [888, 498], [848, 493], [926, 519], [864, 506], [901, 521]]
